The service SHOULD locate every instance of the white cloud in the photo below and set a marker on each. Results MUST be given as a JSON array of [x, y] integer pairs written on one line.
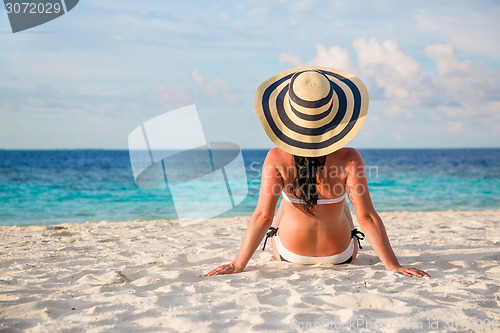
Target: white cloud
[[455, 111], [486, 110], [394, 71], [8, 106], [389, 73], [171, 96], [435, 117], [454, 127], [494, 108], [465, 89], [334, 56], [259, 13], [396, 136], [446, 60], [395, 111], [196, 76], [290, 58], [39, 102], [466, 25], [213, 88], [301, 6], [459, 89]]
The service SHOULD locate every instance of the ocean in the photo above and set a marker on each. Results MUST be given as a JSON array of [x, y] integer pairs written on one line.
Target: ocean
[[59, 186]]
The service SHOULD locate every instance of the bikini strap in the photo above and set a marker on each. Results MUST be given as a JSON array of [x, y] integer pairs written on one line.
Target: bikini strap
[[292, 200], [272, 232], [355, 233], [319, 202]]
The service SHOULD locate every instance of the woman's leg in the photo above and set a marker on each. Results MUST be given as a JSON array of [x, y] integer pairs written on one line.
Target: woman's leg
[[348, 215]]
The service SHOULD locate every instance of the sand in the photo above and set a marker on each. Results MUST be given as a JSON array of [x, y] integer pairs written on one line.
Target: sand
[[149, 276]]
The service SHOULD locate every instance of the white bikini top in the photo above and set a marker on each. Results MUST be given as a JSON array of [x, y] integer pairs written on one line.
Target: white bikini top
[[320, 201]]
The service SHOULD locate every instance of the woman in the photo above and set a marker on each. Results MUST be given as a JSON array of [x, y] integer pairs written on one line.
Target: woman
[[310, 114]]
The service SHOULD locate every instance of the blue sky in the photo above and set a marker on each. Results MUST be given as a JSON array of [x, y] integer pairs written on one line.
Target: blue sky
[[88, 78]]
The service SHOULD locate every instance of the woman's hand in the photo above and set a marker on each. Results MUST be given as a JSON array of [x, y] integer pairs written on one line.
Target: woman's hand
[[225, 269], [410, 271]]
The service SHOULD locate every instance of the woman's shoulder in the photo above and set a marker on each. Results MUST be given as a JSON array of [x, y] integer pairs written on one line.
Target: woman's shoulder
[[346, 152], [277, 155], [278, 159], [345, 156]]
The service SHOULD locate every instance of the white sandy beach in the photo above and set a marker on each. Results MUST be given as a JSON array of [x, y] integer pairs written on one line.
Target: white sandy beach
[[149, 276]]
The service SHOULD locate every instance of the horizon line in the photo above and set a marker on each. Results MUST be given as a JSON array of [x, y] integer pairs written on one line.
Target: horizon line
[[246, 148]]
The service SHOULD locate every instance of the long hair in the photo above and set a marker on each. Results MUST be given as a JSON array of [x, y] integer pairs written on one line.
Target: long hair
[[305, 184]]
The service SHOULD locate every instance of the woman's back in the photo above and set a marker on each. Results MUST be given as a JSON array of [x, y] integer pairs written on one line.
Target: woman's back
[[328, 231]]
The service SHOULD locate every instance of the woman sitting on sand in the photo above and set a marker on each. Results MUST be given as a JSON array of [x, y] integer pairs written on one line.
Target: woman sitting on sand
[[310, 114]]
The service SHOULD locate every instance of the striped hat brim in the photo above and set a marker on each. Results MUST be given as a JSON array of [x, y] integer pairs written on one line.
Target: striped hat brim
[[312, 135]]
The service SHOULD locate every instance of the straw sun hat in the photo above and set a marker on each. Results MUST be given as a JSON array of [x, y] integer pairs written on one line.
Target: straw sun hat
[[311, 111]]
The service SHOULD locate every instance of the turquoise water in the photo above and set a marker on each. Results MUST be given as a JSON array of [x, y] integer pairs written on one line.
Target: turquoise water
[[48, 187]]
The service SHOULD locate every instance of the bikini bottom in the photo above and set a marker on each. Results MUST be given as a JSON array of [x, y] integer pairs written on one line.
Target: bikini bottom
[[344, 257]]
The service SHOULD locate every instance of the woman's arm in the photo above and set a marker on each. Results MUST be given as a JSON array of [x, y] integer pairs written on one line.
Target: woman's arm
[[368, 219], [270, 191]]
